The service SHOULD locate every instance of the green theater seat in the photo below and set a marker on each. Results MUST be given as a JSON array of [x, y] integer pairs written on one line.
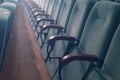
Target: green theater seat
[[75, 25], [4, 19], [73, 31], [111, 65], [117, 1], [12, 8], [95, 40], [9, 5], [61, 20], [15, 1]]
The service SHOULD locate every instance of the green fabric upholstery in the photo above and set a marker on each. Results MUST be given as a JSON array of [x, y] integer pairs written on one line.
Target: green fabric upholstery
[[111, 66], [100, 28], [117, 1], [9, 5], [75, 24], [95, 38], [56, 8], [74, 28], [66, 9], [4, 18], [78, 17], [50, 6], [15, 1], [45, 6]]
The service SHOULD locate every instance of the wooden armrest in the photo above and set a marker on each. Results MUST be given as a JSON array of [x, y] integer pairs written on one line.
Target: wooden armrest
[[36, 10], [59, 37], [54, 26], [40, 14], [44, 19], [82, 57]]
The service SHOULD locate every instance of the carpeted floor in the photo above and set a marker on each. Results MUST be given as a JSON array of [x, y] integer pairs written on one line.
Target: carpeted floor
[[23, 58]]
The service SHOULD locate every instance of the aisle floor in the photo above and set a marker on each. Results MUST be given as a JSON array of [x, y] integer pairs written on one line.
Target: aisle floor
[[23, 58]]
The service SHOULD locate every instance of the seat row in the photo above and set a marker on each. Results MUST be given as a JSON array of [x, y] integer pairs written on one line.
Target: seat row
[[87, 47], [7, 11]]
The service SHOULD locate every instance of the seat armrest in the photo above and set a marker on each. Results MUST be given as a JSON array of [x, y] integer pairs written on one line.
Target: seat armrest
[[37, 10], [39, 13], [53, 39], [54, 26], [82, 57], [73, 57], [44, 19], [33, 7]]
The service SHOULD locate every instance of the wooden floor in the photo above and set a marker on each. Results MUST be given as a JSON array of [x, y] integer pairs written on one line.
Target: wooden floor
[[23, 59]]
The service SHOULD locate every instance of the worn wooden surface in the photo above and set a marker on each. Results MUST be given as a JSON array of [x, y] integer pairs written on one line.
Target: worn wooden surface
[[23, 59]]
